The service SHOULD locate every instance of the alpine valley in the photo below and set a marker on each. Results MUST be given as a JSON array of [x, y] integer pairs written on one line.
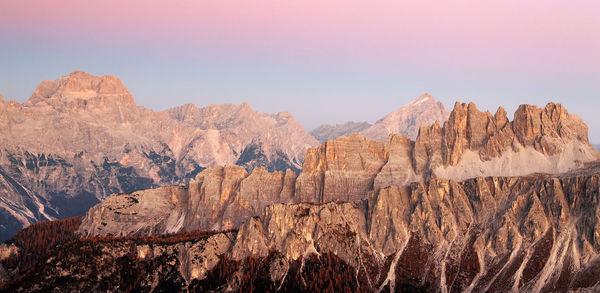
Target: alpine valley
[[250, 202]]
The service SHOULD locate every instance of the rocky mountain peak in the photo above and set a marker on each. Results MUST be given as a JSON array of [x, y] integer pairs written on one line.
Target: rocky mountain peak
[[81, 90], [536, 135], [553, 121], [423, 111], [425, 97]]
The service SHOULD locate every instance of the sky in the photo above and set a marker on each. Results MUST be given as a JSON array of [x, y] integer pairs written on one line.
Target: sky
[[326, 62]]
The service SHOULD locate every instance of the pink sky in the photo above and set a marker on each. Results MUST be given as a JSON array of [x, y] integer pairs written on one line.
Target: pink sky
[[532, 33]]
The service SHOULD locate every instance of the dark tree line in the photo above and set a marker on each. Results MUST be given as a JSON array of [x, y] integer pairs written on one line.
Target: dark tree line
[[324, 273], [37, 240]]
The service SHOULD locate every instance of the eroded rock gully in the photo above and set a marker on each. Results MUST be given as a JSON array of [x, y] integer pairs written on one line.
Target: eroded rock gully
[[536, 233]]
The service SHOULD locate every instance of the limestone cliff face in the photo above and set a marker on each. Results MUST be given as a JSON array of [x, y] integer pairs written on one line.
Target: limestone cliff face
[[219, 198], [470, 144], [81, 138], [341, 169], [536, 233], [523, 234]]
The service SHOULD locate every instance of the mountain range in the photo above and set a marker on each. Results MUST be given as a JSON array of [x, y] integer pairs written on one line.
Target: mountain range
[[215, 199], [489, 234], [469, 145], [477, 204], [80, 138]]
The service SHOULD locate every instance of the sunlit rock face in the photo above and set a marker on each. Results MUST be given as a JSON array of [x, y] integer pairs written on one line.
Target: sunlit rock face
[[80, 138], [480, 204], [352, 169], [536, 233], [525, 234]]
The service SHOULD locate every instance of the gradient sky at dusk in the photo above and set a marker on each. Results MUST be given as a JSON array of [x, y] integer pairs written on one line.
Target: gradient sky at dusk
[[323, 61]]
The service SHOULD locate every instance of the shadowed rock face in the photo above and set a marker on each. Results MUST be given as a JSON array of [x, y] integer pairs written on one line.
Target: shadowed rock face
[[81, 138]]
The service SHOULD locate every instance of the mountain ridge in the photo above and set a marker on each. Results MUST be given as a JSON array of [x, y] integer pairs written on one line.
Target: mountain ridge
[[81, 138], [422, 111], [478, 204], [470, 144]]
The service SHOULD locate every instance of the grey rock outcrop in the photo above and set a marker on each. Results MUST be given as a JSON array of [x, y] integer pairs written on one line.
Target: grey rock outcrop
[[324, 133]]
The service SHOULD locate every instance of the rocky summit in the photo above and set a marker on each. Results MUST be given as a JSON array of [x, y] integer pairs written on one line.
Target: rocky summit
[[80, 138], [423, 111]]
